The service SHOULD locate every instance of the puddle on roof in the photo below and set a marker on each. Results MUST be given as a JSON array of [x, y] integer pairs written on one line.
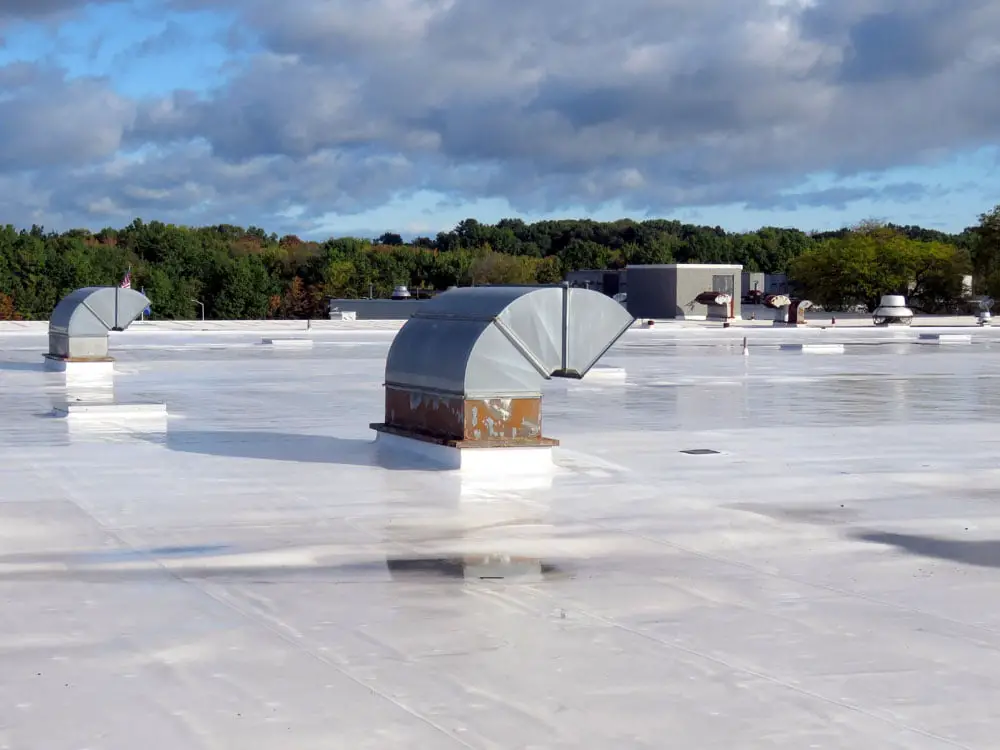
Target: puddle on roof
[[473, 567], [124, 566], [819, 515], [124, 555]]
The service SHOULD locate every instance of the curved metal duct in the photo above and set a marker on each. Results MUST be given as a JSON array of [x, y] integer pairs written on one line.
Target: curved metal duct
[[719, 305], [502, 340], [797, 311], [80, 323], [713, 298], [470, 364]]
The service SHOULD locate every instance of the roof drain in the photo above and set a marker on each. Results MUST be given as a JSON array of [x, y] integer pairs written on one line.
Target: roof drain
[[466, 371]]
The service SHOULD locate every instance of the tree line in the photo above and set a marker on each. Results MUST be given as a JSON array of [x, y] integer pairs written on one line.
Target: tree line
[[248, 273]]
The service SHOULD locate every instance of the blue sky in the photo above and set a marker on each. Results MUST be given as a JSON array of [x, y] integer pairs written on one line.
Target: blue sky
[[963, 185], [144, 52]]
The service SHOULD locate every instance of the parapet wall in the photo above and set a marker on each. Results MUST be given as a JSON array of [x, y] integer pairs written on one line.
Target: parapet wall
[[378, 309], [40, 327], [816, 320]]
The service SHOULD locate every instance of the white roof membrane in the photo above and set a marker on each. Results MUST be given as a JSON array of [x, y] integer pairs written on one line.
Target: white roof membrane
[[251, 573]]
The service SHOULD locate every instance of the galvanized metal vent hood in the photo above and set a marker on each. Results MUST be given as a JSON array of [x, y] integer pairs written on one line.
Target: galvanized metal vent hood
[[503, 341], [79, 326]]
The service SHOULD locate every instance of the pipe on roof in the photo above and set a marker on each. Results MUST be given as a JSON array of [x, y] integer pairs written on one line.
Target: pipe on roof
[[80, 323]]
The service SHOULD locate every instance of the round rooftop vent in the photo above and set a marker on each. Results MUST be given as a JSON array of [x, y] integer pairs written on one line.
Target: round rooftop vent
[[892, 311], [401, 292], [985, 304]]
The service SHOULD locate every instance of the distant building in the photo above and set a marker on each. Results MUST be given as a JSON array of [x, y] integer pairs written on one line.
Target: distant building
[[374, 309], [765, 283], [607, 282], [400, 305], [670, 290]]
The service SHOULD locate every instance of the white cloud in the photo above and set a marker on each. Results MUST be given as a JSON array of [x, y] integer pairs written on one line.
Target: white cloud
[[352, 103]]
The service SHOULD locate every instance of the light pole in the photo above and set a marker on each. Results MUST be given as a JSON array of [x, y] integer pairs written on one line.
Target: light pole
[[202, 304]]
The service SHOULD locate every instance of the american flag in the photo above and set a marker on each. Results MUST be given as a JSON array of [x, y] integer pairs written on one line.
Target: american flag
[[127, 281]]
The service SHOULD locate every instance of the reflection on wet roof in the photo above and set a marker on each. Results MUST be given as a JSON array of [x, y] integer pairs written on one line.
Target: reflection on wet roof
[[775, 551]]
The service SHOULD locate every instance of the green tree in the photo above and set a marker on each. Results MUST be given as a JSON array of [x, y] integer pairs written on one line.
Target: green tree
[[870, 260], [496, 268], [985, 253], [244, 290], [247, 272]]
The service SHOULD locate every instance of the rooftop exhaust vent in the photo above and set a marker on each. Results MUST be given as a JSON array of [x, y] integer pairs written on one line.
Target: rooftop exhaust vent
[[892, 311], [719, 305], [713, 298], [797, 311], [467, 369], [985, 304], [79, 326]]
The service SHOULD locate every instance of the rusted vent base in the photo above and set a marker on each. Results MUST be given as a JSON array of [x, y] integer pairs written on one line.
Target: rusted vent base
[[537, 442], [492, 422]]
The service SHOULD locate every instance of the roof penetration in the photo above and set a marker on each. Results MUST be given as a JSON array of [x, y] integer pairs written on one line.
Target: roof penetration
[[95, 310], [79, 326], [482, 342]]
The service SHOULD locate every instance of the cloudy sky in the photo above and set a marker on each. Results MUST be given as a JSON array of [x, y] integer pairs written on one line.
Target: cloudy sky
[[324, 117]]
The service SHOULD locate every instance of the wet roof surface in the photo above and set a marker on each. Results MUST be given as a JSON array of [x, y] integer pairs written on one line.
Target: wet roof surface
[[775, 551]]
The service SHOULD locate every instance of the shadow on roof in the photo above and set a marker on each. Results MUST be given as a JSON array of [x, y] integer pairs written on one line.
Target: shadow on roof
[[297, 448], [23, 366], [981, 553]]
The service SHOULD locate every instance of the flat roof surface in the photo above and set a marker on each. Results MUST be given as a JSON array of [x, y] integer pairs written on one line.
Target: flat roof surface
[[250, 574]]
